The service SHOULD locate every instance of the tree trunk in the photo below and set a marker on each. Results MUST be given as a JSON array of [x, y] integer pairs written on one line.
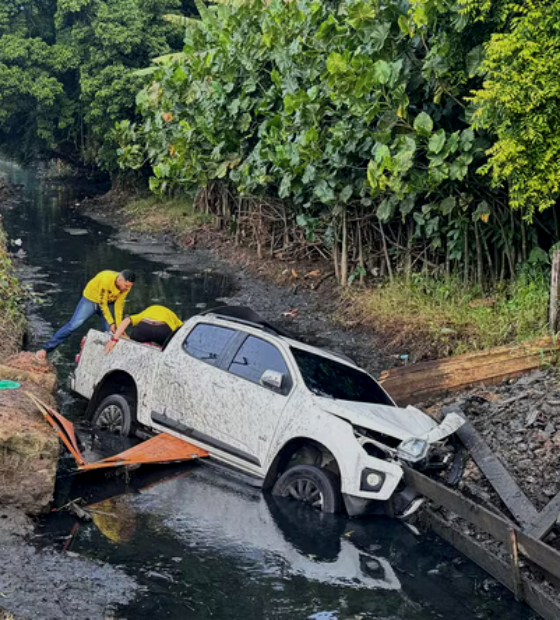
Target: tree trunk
[[489, 259], [336, 252], [466, 257], [479, 266], [344, 257], [361, 262], [524, 255], [554, 278], [408, 254], [386, 252]]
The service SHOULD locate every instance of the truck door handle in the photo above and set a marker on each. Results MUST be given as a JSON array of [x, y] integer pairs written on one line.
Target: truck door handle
[[218, 385]]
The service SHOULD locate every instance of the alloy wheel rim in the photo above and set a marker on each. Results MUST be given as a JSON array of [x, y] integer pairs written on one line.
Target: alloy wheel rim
[[306, 491], [111, 418]]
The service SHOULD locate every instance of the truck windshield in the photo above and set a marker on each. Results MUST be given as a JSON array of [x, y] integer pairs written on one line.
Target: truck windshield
[[325, 377]]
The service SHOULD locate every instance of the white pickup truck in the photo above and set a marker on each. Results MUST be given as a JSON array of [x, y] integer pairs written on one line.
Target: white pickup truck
[[302, 421]]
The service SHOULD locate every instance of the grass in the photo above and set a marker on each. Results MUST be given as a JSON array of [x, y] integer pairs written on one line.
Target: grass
[[429, 318], [12, 298], [154, 214]]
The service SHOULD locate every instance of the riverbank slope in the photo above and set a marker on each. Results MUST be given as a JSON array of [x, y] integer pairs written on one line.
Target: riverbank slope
[[420, 319]]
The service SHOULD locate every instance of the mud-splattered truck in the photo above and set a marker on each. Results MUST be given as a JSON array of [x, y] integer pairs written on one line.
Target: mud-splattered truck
[[302, 421]]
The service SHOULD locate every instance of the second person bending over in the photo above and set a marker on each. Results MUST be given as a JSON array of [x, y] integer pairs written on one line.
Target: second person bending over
[[155, 324]]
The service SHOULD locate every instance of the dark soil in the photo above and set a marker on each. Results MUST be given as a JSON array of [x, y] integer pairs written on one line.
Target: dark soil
[[520, 421], [49, 585]]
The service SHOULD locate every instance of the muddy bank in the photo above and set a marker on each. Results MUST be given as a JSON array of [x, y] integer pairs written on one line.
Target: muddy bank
[[28, 447], [48, 585], [41, 583], [303, 306]]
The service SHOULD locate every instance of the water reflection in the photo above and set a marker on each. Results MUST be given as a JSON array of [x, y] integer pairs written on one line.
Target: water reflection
[[197, 539]]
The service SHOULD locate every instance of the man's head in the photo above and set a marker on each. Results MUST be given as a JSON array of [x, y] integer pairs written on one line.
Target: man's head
[[125, 280]]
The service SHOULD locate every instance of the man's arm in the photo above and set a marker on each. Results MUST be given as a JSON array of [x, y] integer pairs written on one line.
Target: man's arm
[[105, 311], [120, 331], [119, 307]]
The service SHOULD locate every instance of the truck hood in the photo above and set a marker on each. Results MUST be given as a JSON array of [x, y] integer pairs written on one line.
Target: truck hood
[[392, 421]]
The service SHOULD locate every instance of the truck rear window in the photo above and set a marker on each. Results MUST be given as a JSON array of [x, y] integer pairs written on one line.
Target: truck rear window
[[207, 342], [325, 377]]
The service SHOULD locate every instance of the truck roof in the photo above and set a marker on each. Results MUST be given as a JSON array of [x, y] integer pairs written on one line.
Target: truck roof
[[247, 316]]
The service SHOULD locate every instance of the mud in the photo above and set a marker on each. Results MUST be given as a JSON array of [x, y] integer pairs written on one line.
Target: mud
[[520, 421], [47, 585]]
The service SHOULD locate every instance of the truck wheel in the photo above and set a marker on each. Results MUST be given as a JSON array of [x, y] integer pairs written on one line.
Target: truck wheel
[[311, 485], [114, 414]]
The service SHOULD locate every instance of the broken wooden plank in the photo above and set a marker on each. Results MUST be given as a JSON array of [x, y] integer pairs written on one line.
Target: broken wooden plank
[[496, 525], [539, 553], [412, 383], [546, 519], [501, 480], [474, 550]]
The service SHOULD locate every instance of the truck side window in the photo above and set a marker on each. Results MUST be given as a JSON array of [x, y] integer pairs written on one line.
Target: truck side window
[[207, 342], [256, 356]]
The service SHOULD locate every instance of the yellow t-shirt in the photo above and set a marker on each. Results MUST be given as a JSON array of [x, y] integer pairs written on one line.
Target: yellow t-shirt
[[157, 313], [102, 290]]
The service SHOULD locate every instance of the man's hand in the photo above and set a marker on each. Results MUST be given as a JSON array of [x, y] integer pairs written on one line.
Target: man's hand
[[110, 346], [113, 328]]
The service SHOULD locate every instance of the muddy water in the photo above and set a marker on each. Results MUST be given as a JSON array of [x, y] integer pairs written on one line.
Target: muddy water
[[199, 543]]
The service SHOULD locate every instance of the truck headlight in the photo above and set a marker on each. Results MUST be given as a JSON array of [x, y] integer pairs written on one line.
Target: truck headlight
[[413, 449]]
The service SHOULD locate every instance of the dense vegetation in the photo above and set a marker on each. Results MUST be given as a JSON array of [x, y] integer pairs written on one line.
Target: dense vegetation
[[12, 299], [399, 136], [66, 72], [391, 137]]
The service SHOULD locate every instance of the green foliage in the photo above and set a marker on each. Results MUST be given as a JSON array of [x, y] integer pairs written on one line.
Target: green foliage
[[12, 299], [520, 103], [323, 104], [67, 72], [172, 215], [440, 316]]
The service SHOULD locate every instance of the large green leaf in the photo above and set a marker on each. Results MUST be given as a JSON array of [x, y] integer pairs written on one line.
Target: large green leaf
[[437, 142], [423, 123], [382, 72]]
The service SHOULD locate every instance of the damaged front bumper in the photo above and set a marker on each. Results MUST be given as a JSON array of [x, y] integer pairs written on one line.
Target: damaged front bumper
[[402, 505], [427, 452]]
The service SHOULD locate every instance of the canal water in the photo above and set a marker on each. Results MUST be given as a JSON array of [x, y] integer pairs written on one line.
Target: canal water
[[201, 544]]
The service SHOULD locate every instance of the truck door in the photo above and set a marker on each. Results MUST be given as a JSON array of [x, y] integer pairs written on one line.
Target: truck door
[[183, 394]]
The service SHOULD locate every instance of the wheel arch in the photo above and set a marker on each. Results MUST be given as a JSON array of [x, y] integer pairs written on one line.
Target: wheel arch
[[114, 382], [291, 449]]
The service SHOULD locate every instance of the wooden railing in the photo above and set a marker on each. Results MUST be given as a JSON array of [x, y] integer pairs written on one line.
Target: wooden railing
[[517, 543]]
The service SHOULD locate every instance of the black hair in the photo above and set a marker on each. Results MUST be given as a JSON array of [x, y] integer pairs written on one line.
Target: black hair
[[128, 275]]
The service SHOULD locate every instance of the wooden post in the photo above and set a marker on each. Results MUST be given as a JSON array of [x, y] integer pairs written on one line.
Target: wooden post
[[554, 278], [514, 563]]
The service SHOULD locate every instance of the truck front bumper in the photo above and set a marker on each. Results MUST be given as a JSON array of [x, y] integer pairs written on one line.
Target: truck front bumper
[[401, 505]]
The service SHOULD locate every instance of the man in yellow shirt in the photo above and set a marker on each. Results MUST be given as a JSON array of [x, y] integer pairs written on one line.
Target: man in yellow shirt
[[154, 324], [104, 296]]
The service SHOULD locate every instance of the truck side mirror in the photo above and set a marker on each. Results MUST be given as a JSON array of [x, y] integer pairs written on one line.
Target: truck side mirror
[[272, 379]]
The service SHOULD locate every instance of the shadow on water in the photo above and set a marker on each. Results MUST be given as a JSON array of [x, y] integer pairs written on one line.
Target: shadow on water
[[201, 544]]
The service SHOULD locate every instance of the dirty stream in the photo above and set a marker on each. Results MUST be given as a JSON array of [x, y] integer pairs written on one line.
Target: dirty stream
[[190, 541]]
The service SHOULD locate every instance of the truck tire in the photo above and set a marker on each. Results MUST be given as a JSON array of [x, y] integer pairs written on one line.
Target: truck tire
[[311, 485], [115, 414]]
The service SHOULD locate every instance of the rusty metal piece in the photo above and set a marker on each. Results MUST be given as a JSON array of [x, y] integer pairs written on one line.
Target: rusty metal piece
[[162, 448]]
